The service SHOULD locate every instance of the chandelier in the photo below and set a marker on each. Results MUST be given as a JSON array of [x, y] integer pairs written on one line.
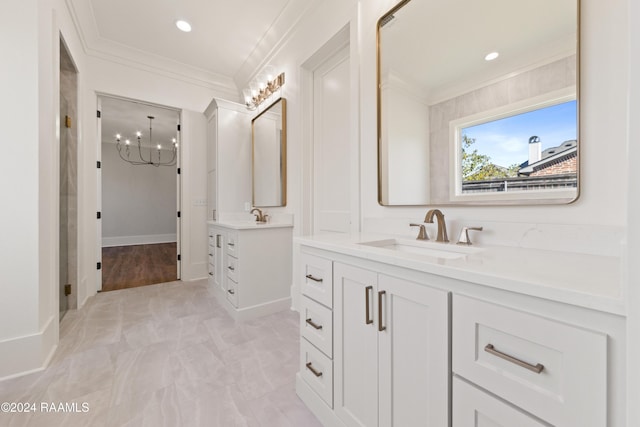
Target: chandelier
[[140, 159]]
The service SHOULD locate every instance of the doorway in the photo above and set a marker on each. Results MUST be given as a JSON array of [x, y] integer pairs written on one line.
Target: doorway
[[68, 184], [139, 214]]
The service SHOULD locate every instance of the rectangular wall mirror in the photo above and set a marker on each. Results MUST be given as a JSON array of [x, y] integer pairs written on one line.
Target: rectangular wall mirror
[[478, 102], [269, 145]]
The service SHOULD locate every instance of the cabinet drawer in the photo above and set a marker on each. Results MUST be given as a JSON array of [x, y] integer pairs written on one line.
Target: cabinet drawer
[[232, 268], [317, 370], [554, 370], [316, 325], [475, 408], [232, 292], [317, 279], [232, 244]]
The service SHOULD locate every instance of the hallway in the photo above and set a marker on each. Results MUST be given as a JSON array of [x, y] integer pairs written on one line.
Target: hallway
[[166, 355]]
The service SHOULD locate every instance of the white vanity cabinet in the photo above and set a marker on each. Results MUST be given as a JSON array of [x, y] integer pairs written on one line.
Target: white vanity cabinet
[[252, 274], [391, 350], [415, 348], [217, 239], [229, 158]]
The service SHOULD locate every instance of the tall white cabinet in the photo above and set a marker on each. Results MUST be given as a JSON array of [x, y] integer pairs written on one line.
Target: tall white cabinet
[[229, 158]]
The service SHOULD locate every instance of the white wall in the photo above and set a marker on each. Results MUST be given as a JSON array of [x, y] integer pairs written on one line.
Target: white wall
[[19, 246], [138, 202]]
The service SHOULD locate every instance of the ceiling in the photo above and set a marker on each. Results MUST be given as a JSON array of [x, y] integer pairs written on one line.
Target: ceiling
[[225, 49], [440, 46], [229, 38]]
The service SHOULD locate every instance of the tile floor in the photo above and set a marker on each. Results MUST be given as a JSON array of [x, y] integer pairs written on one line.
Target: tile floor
[[166, 355]]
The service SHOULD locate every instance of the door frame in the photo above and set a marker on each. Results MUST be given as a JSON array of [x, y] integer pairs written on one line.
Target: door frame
[[99, 96]]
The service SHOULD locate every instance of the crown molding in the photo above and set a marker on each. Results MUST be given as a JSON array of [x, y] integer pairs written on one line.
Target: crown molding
[[95, 46], [277, 36]]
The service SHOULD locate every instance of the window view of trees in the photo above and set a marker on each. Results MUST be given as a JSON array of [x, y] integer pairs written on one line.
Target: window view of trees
[[478, 167]]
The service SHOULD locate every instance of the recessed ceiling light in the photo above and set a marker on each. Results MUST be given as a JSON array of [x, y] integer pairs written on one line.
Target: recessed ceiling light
[[183, 26], [491, 56]]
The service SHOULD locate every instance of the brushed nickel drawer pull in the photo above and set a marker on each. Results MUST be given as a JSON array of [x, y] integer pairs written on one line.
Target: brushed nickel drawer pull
[[231, 291], [380, 326], [367, 316], [315, 279], [210, 254], [537, 368], [313, 324], [316, 373], [231, 244], [210, 274], [231, 268]]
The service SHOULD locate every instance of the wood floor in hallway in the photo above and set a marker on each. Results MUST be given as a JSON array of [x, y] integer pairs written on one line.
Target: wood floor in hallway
[[126, 267]]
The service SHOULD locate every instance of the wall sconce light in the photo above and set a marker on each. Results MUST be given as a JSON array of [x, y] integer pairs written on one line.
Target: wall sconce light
[[260, 89]]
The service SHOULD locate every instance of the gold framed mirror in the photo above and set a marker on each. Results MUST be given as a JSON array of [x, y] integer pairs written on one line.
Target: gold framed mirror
[[269, 155], [456, 126]]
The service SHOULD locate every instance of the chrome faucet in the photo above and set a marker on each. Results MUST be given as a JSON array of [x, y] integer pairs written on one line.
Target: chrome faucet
[[442, 226], [260, 217]]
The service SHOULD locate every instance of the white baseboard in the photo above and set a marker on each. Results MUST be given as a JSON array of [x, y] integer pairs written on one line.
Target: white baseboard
[[138, 240], [29, 353]]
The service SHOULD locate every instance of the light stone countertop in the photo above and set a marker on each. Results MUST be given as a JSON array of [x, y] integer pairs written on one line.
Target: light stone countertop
[[248, 225], [589, 281]]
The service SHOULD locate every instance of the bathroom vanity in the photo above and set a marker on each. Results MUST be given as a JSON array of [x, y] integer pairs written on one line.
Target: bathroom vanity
[[250, 266], [397, 332]]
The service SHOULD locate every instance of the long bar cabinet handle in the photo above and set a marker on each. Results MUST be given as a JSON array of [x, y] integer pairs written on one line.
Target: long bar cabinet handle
[[380, 326], [537, 368], [312, 369], [315, 279], [367, 315], [313, 324]]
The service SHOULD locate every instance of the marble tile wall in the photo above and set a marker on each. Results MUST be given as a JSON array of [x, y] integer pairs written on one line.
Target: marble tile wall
[[167, 355], [68, 175]]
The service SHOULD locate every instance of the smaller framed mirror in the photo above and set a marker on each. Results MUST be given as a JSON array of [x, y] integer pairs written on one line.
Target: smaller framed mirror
[[269, 159]]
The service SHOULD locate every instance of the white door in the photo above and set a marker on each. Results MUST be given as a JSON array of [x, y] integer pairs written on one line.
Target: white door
[[332, 160], [356, 346], [413, 354]]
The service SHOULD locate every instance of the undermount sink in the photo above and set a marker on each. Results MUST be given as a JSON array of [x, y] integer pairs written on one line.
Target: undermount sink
[[428, 248]]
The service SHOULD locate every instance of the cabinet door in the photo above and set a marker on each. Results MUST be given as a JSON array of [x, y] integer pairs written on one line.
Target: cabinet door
[[475, 408], [356, 346], [413, 354]]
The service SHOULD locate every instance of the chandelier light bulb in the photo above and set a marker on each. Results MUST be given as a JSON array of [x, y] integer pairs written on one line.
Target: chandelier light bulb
[[118, 136], [138, 134], [159, 146], [127, 142]]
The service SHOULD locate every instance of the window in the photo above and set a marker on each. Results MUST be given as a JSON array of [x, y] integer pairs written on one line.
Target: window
[[524, 149]]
